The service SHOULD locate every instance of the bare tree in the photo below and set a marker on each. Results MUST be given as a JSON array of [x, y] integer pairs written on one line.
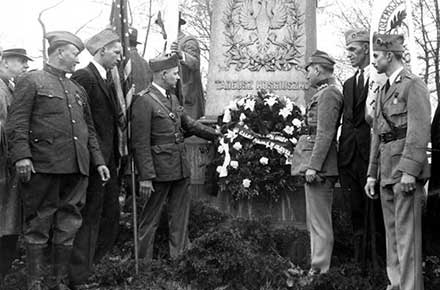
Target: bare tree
[[198, 15], [43, 26]]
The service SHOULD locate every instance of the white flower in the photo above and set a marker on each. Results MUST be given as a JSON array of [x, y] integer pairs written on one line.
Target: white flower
[[234, 164], [264, 160], [227, 116], [242, 117], [222, 171], [289, 130], [289, 104], [302, 109], [232, 106], [237, 146], [246, 183], [231, 135], [241, 102], [285, 112], [271, 101], [220, 149], [250, 104], [296, 122], [293, 140]]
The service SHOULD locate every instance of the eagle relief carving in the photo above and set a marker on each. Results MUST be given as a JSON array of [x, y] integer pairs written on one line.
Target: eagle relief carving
[[263, 34]]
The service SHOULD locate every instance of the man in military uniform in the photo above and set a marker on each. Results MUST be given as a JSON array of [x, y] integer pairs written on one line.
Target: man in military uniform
[[13, 63], [101, 212], [52, 138], [188, 49], [354, 142], [401, 132], [159, 126], [316, 158]]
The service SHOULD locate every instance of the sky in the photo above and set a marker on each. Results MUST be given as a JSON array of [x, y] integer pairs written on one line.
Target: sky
[[19, 26]]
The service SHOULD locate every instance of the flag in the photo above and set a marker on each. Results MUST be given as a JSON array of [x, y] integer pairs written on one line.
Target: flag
[[122, 75], [391, 17]]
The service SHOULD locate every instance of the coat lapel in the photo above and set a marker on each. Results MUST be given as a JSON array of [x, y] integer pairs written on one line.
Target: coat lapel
[[394, 86], [360, 101], [101, 81], [161, 97], [349, 97]]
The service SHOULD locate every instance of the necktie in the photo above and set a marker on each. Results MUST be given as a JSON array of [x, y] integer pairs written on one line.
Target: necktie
[[109, 78], [360, 81], [387, 86]]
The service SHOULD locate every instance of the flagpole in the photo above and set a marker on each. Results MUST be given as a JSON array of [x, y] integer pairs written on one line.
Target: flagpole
[[128, 89]]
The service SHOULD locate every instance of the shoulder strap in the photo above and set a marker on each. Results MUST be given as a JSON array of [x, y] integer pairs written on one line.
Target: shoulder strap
[[170, 114]]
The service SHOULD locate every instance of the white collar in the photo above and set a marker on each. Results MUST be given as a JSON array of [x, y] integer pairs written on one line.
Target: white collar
[[101, 70], [162, 90], [394, 75]]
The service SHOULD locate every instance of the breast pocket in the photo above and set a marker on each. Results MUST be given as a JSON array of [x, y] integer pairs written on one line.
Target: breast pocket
[[49, 102], [398, 113]]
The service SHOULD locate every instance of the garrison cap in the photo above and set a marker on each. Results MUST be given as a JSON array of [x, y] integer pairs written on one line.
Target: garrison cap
[[164, 62], [320, 57], [100, 40], [356, 35], [58, 38], [16, 52], [388, 42]]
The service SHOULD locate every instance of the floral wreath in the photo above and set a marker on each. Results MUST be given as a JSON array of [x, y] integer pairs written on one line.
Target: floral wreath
[[260, 134]]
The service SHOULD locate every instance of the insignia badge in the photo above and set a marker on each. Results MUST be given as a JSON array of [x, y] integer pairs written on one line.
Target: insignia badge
[[395, 101], [172, 116], [79, 100]]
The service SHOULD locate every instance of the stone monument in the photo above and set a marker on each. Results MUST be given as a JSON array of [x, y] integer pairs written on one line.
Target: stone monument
[[259, 44]]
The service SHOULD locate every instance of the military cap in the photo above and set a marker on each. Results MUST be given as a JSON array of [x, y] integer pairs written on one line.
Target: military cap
[[100, 40], [388, 42], [16, 52], [58, 38], [353, 35], [164, 62], [132, 36], [320, 57]]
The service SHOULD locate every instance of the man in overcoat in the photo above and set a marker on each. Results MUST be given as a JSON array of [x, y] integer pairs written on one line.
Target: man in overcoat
[[14, 62], [354, 142], [318, 158], [52, 140], [401, 132], [159, 127], [101, 212], [188, 49]]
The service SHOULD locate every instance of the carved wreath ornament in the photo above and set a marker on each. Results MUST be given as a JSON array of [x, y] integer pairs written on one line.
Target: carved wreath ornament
[[263, 34]]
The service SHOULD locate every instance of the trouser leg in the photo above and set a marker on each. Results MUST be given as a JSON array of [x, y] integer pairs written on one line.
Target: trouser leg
[[150, 217], [408, 216], [8, 252], [388, 209], [84, 245], [109, 223], [34, 266], [319, 199], [178, 215]]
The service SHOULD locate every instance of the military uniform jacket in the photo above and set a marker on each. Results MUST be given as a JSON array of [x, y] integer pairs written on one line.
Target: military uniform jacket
[[50, 123], [406, 104], [355, 133], [318, 149], [158, 153]]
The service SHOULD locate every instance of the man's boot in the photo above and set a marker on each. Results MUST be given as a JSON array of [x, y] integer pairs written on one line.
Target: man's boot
[[35, 268], [61, 258]]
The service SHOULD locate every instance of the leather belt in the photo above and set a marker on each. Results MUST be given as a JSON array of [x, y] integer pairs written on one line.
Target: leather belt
[[173, 139], [395, 134]]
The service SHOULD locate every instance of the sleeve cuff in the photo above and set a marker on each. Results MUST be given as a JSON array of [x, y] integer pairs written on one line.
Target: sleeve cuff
[[410, 166]]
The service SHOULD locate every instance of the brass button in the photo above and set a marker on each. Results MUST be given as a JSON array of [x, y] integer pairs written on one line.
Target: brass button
[[75, 138], [73, 121]]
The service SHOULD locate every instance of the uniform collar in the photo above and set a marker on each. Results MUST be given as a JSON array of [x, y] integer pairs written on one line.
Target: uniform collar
[[160, 89], [101, 70], [394, 75], [53, 70]]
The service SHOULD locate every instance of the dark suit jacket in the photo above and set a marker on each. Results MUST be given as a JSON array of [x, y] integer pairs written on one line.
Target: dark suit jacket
[[191, 80], [434, 182], [355, 133], [105, 109], [157, 154]]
